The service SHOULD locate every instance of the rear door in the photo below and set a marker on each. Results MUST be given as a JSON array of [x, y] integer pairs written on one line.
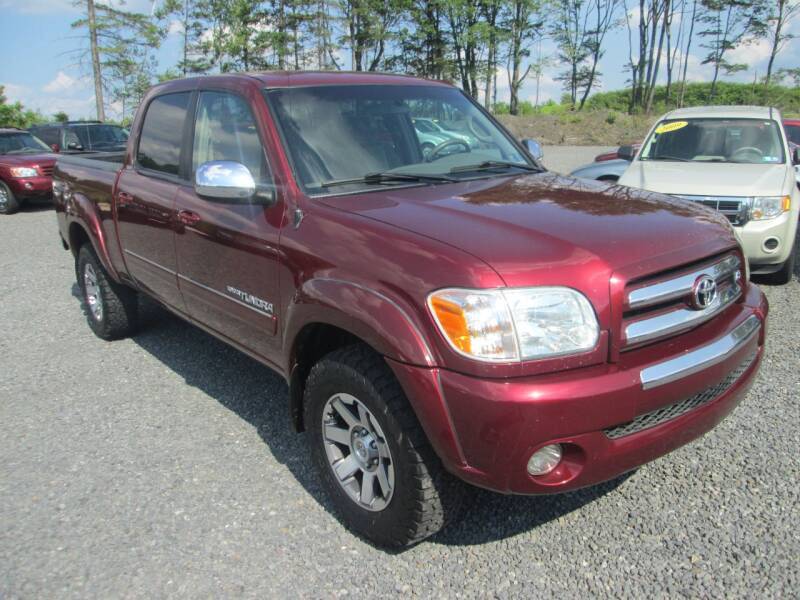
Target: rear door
[[228, 250], [145, 201]]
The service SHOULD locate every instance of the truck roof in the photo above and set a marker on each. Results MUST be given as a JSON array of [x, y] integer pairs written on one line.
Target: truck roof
[[719, 112], [282, 79]]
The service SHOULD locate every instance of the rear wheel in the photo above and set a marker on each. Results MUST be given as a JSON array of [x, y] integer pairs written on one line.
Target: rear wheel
[[373, 458], [111, 309], [8, 202]]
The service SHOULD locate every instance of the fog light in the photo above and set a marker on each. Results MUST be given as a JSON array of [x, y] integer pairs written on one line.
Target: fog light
[[544, 460]]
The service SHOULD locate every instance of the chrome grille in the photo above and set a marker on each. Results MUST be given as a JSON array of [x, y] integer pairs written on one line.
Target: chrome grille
[[48, 171], [673, 411], [735, 208], [661, 305]]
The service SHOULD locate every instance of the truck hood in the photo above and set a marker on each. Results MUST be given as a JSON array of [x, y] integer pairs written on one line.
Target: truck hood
[[28, 160], [707, 179], [537, 228]]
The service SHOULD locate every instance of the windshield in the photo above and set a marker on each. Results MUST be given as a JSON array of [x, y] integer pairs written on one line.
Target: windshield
[[97, 137], [793, 133], [21, 143], [343, 133], [752, 141]]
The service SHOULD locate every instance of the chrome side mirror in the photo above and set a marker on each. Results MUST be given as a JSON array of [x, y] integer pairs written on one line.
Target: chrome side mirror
[[224, 180], [534, 148]]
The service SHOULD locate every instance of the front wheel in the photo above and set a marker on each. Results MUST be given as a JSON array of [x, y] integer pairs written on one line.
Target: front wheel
[[111, 308], [371, 453], [8, 202], [784, 275]]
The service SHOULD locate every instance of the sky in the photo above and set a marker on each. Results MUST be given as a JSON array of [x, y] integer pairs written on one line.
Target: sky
[[41, 67]]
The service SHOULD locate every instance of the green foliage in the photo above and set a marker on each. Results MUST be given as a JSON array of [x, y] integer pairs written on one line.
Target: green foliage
[[61, 117], [15, 115], [698, 94]]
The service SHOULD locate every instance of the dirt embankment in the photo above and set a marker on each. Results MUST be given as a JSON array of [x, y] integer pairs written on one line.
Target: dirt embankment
[[596, 128]]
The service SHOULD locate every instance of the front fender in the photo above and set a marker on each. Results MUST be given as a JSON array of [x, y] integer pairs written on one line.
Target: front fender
[[384, 323]]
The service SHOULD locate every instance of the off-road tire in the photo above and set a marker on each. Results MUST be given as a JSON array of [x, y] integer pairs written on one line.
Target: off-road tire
[[425, 497], [11, 205], [120, 304]]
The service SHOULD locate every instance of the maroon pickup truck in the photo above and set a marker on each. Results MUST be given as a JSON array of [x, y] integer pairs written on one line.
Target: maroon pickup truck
[[453, 314]]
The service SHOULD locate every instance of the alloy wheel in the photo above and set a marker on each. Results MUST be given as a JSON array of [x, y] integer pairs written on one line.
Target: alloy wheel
[[357, 452], [94, 297]]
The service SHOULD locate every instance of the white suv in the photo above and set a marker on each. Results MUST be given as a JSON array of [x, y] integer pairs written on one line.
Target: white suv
[[734, 159]]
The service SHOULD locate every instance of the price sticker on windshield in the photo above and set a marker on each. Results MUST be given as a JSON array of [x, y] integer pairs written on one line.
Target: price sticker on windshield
[[674, 126]]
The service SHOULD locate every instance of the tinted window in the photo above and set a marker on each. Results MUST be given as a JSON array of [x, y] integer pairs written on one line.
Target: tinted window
[[162, 133], [48, 135], [21, 143], [793, 133], [226, 130]]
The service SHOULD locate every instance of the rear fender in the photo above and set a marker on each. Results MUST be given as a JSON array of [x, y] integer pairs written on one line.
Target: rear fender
[[83, 213]]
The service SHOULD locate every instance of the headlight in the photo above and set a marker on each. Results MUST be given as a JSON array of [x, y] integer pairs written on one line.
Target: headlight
[[769, 207], [23, 172], [515, 324]]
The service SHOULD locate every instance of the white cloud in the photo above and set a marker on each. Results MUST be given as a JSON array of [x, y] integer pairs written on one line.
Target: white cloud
[[175, 27], [61, 83]]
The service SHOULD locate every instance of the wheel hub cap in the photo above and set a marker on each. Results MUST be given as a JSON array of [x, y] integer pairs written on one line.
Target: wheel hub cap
[[357, 452]]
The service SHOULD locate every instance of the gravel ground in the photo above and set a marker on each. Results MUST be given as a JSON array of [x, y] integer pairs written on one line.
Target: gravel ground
[[162, 466]]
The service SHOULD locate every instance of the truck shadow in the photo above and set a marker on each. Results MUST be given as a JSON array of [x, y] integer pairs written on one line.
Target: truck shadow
[[259, 396]]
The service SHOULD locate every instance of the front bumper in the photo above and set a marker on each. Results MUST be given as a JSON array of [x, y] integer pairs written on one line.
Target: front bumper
[[31, 187], [754, 234], [485, 430]]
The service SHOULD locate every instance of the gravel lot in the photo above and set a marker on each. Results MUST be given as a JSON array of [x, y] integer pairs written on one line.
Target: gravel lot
[[162, 466]]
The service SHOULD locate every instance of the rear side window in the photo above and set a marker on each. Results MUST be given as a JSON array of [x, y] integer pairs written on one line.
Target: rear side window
[[49, 135], [162, 133]]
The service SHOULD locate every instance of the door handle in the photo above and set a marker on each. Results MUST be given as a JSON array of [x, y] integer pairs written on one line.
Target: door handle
[[188, 217], [124, 199]]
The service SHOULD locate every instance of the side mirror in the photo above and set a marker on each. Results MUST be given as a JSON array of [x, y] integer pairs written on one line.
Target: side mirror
[[626, 153], [227, 180], [55, 148], [534, 148], [74, 146]]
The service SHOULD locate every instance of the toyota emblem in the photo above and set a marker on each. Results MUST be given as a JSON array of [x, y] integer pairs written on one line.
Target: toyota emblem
[[704, 292]]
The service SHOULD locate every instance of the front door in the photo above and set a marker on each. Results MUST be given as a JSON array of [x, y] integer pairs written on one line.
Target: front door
[[145, 199], [228, 250]]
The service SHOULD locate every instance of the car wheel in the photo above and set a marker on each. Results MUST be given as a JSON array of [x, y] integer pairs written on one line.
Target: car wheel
[[784, 275], [426, 148], [8, 202], [373, 458], [112, 309]]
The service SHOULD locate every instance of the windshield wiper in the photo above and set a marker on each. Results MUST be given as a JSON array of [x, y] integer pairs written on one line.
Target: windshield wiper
[[668, 157], [387, 177], [494, 164]]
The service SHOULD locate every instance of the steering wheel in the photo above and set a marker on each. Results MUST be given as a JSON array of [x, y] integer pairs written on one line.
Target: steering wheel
[[434, 153], [748, 150]]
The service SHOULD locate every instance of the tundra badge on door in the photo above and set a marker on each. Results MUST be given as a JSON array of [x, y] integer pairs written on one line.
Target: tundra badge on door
[[255, 302]]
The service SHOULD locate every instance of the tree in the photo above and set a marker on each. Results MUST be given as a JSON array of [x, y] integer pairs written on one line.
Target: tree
[[16, 115], [569, 31], [463, 20], [727, 23], [121, 46], [524, 24], [423, 45], [192, 15], [604, 18], [773, 26], [61, 117]]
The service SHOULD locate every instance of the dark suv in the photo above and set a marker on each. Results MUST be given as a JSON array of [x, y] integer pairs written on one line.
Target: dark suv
[[82, 136]]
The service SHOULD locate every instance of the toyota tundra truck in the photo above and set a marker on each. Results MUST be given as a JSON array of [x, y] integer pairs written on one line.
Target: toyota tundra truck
[[457, 314]]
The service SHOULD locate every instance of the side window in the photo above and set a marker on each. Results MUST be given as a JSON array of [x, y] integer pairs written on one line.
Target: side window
[[226, 130], [48, 135], [162, 133]]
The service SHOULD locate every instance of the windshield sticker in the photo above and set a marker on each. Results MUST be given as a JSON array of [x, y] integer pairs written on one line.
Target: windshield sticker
[[674, 126]]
